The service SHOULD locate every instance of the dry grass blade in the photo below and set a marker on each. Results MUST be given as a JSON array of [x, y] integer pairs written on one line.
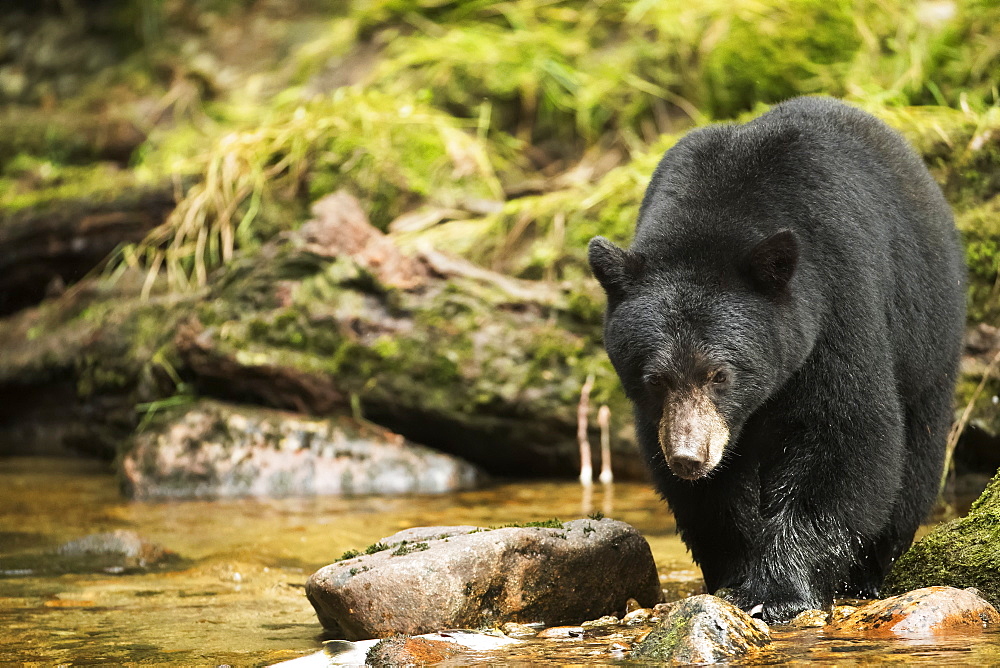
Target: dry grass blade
[[959, 425]]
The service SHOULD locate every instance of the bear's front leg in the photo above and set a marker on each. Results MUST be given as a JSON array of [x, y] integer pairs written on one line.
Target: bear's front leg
[[779, 591], [825, 497]]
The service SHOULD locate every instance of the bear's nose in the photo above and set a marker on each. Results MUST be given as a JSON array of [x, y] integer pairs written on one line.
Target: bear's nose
[[686, 466]]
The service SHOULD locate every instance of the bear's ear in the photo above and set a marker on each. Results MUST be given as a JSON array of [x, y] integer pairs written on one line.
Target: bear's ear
[[773, 260], [613, 267]]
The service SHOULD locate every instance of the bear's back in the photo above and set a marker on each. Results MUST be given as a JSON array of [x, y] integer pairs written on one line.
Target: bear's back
[[879, 250]]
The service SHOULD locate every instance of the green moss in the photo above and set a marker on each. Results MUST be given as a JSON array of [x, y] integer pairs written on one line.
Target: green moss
[[405, 547], [553, 523], [392, 151], [961, 553], [663, 641], [36, 184], [546, 235], [963, 57], [376, 547], [980, 228], [769, 51]]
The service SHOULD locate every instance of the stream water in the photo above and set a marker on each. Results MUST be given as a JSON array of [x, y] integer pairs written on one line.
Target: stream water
[[238, 597]]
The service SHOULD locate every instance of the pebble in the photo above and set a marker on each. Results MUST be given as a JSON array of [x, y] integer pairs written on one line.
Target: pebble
[[809, 619], [516, 630], [639, 616], [703, 629], [400, 651], [600, 622], [841, 612], [560, 632]]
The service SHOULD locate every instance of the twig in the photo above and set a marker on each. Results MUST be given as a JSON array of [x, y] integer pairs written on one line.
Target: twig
[[586, 467], [959, 426], [604, 420]]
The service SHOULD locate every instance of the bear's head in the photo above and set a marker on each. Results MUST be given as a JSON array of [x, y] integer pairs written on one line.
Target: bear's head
[[700, 341]]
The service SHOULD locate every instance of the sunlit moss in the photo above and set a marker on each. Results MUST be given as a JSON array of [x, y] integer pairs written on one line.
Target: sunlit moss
[[769, 51], [31, 182], [546, 235], [392, 152], [980, 228], [965, 56]]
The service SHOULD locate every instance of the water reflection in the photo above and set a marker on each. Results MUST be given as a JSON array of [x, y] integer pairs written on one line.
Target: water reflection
[[239, 598]]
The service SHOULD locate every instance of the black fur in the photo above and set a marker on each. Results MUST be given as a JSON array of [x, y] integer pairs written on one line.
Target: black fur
[[810, 255]]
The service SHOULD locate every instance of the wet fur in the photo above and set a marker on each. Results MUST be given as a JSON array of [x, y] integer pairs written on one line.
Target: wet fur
[[811, 254]]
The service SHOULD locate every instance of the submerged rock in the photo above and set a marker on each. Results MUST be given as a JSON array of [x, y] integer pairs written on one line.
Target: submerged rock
[[431, 578], [406, 651], [403, 650], [927, 611], [220, 450], [114, 552], [703, 629], [961, 553], [562, 632], [809, 619]]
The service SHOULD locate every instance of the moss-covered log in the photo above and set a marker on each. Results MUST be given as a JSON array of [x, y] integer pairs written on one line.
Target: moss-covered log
[[63, 239], [961, 553], [336, 319]]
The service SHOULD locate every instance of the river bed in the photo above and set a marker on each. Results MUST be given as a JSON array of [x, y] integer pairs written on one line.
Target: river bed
[[238, 598]]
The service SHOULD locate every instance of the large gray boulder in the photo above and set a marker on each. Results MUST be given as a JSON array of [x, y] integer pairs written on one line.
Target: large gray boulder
[[435, 578], [213, 449]]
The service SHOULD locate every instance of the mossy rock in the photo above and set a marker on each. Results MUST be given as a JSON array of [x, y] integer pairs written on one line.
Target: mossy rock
[[961, 553]]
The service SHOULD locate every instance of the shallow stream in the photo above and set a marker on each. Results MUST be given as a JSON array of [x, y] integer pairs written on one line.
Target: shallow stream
[[238, 597]]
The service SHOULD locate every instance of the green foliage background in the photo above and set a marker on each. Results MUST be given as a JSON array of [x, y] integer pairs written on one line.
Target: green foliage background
[[508, 131]]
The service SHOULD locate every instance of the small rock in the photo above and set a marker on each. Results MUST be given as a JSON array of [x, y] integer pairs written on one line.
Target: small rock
[[561, 632], [703, 629], [639, 616], [114, 552], [619, 647], [520, 631], [841, 612], [606, 620], [664, 609], [809, 619], [404, 651], [922, 612], [481, 578], [347, 653]]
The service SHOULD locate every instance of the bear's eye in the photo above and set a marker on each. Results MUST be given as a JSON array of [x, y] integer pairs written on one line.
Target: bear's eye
[[653, 381], [721, 377]]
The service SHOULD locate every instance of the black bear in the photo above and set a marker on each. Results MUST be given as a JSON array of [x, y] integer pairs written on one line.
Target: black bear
[[787, 324]]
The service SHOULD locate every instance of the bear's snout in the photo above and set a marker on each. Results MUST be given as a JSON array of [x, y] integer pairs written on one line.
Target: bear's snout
[[693, 435]]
